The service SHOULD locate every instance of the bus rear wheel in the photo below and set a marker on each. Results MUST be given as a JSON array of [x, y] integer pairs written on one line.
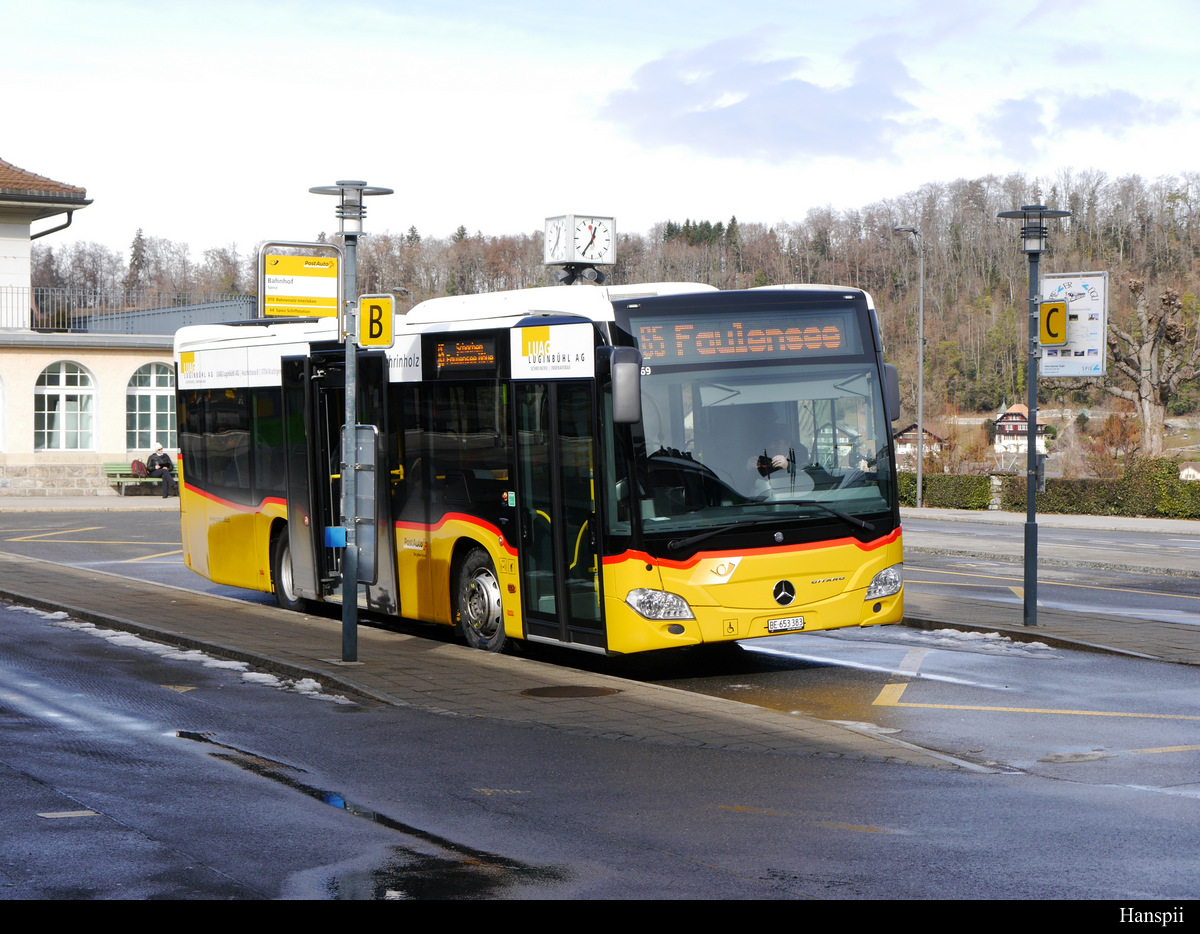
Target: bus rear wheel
[[281, 575], [477, 606]]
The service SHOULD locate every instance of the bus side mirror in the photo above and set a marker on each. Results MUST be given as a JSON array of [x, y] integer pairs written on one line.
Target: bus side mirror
[[626, 367], [892, 390]]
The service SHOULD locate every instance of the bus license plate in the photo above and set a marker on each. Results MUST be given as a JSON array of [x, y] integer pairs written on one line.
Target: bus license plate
[[786, 624]]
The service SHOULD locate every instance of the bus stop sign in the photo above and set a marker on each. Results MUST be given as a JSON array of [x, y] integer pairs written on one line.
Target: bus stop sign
[[376, 320], [1053, 318]]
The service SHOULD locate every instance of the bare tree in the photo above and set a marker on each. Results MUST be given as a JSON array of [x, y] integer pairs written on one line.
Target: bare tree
[[1155, 354]]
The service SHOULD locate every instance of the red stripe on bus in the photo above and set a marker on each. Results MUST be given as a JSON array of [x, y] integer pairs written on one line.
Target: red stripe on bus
[[779, 550], [460, 517], [242, 507]]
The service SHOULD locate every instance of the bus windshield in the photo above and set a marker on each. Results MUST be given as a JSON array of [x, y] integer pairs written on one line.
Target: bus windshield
[[754, 442]]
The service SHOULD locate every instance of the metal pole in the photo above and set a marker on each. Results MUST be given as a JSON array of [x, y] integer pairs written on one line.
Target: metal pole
[[921, 374], [349, 477], [350, 213], [920, 361], [1033, 218], [1031, 379]]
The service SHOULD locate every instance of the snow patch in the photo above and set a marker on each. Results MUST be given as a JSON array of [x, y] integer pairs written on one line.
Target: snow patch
[[306, 686], [988, 643]]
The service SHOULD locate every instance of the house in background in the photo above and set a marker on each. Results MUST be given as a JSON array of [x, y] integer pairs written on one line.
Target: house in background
[[1012, 432], [85, 378], [1189, 470], [906, 446]]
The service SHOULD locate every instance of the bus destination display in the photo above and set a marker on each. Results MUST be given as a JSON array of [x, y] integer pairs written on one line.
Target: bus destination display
[[470, 355], [711, 338]]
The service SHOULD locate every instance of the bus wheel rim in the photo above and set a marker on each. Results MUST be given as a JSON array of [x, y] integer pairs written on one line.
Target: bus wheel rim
[[483, 603]]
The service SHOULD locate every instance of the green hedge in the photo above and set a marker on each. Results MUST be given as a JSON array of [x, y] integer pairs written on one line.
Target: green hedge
[[947, 491], [1149, 487]]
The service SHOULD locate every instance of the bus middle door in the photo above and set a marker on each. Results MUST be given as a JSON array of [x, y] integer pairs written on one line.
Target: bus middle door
[[317, 387], [556, 457]]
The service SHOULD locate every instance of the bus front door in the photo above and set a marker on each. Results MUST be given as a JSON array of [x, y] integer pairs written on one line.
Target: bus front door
[[314, 410], [560, 579]]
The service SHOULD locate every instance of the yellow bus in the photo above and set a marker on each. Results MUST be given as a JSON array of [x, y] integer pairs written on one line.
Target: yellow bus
[[611, 469]]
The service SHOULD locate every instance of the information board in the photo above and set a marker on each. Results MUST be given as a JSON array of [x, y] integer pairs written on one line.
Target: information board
[[1086, 351]]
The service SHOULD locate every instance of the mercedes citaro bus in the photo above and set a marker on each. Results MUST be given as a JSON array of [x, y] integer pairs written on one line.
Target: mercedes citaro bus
[[611, 469]]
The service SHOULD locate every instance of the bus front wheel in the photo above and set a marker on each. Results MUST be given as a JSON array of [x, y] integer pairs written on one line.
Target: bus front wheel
[[281, 575], [477, 606]]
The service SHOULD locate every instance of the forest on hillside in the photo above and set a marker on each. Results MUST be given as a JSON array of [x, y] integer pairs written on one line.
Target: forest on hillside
[[1145, 234]]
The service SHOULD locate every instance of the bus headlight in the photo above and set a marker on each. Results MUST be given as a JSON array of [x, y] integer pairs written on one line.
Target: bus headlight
[[886, 582], [659, 604]]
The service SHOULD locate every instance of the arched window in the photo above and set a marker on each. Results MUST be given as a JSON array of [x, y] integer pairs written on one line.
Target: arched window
[[63, 408], [150, 408]]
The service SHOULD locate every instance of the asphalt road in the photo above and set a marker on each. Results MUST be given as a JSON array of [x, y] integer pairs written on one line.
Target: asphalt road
[[130, 773]]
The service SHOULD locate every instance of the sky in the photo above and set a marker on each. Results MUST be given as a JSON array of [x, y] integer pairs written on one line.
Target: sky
[[207, 123]]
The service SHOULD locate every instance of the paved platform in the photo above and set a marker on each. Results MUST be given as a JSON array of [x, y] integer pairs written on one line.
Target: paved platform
[[408, 670]]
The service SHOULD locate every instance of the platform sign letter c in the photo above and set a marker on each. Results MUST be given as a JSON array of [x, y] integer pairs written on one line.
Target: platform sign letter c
[[1053, 318]]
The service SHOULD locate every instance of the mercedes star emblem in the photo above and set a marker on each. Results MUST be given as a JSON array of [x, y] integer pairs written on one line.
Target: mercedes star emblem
[[785, 593]]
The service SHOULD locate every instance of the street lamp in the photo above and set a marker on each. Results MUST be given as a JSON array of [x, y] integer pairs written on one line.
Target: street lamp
[[350, 213], [920, 358], [1033, 219]]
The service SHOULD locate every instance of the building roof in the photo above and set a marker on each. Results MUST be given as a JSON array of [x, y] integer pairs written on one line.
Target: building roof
[[16, 184], [913, 428], [1020, 410], [32, 197]]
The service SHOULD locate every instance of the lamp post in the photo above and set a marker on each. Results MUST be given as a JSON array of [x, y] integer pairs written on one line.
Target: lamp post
[[1033, 219], [350, 213], [920, 358]]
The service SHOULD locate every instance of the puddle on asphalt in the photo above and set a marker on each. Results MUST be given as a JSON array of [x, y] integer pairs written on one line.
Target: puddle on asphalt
[[411, 873]]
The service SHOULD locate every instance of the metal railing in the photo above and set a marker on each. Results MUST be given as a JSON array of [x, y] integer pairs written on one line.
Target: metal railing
[[117, 311]]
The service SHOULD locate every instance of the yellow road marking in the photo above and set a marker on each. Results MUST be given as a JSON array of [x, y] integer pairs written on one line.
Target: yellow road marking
[[861, 828], [35, 529], [88, 541], [1157, 749], [42, 535], [59, 815], [836, 825], [161, 554], [1019, 591], [43, 539], [909, 581], [890, 697]]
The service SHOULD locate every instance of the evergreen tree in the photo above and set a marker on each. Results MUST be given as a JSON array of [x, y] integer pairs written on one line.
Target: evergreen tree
[[135, 278]]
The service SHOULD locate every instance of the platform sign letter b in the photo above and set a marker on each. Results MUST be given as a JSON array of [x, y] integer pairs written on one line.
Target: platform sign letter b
[[376, 314]]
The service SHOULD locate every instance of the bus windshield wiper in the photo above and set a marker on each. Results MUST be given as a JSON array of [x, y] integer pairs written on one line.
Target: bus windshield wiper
[[678, 544], [845, 517]]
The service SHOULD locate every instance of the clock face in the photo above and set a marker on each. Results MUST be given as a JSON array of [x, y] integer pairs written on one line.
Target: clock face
[[593, 239], [557, 240]]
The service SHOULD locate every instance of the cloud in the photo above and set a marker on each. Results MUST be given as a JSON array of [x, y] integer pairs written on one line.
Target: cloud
[[729, 99], [1113, 112], [1021, 127], [1017, 125]]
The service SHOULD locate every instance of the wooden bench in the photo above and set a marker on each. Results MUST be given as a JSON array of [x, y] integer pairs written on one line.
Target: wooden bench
[[122, 475]]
